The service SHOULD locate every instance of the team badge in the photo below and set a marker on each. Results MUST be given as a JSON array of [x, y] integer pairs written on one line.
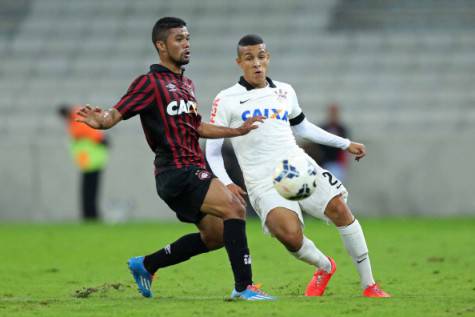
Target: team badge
[[188, 88], [202, 174], [281, 94], [171, 87]]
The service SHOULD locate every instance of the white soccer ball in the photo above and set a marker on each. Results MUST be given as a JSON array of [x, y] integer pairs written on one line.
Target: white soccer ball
[[295, 178]]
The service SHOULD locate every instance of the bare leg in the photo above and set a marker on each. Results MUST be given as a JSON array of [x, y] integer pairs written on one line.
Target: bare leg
[[285, 225]]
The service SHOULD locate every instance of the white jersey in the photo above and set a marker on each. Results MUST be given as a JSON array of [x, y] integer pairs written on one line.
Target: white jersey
[[259, 151]]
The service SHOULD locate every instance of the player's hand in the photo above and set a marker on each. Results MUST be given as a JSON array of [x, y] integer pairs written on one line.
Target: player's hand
[[90, 116], [357, 149], [238, 192], [249, 125]]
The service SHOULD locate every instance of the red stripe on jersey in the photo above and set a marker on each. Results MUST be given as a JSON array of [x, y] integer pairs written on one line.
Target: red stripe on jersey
[[129, 102], [175, 120], [161, 108], [194, 145], [188, 140], [197, 122], [192, 120]]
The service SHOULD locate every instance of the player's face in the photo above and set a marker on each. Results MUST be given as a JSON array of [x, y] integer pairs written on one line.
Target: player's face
[[254, 60], [177, 46]]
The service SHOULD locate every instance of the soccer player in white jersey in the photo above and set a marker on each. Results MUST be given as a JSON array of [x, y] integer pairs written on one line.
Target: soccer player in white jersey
[[260, 151]]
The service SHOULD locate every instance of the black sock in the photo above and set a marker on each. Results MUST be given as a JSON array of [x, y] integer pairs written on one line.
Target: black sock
[[179, 251], [235, 242]]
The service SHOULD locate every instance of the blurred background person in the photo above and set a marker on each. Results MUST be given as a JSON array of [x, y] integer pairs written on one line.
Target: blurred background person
[[331, 158], [89, 150]]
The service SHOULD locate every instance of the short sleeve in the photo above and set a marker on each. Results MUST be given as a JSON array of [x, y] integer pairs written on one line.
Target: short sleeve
[[139, 96], [296, 114], [219, 114]]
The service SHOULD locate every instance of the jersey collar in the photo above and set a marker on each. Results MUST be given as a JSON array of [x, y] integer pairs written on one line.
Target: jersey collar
[[248, 86], [162, 69]]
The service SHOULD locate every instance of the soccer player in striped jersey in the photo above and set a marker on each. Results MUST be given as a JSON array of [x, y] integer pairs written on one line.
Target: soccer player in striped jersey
[[260, 151], [165, 101]]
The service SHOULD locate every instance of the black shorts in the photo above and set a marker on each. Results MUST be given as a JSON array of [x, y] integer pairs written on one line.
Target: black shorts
[[184, 191]]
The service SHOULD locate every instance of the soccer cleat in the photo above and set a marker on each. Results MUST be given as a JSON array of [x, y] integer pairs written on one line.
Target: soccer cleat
[[320, 280], [375, 291], [141, 276], [251, 293]]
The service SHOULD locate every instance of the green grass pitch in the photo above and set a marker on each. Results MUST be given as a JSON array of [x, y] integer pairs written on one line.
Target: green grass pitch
[[79, 270]]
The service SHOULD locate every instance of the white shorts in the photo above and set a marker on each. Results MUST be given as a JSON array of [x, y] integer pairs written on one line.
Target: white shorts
[[267, 198]]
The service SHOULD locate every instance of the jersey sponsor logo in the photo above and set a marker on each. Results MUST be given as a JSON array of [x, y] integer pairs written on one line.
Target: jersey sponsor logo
[[214, 110], [175, 108], [269, 113], [244, 101]]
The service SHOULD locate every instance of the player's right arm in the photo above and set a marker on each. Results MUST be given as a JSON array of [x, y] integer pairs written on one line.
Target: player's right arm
[[139, 96], [98, 118]]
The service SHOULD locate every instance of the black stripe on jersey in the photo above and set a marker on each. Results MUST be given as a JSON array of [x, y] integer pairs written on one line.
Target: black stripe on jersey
[[298, 119], [195, 122], [179, 135], [191, 120], [162, 98], [185, 140], [141, 83], [147, 132], [146, 100]]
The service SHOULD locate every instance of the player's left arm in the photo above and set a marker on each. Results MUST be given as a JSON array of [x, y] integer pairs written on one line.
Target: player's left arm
[[307, 130], [211, 131]]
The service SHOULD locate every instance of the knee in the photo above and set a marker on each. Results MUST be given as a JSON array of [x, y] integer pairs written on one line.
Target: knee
[[213, 239], [234, 209], [339, 213]]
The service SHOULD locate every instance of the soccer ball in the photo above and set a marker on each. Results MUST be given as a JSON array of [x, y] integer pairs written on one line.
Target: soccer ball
[[295, 178]]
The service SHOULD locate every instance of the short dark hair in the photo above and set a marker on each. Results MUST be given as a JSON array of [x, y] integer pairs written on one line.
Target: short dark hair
[[250, 39], [160, 29]]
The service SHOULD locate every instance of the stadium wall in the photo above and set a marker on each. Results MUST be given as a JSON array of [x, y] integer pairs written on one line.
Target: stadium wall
[[401, 176]]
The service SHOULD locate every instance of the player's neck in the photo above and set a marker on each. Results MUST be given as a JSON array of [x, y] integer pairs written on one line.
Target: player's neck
[[172, 66], [257, 85]]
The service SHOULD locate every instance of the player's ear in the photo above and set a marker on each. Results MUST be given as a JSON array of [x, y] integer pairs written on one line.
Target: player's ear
[[160, 45], [238, 60]]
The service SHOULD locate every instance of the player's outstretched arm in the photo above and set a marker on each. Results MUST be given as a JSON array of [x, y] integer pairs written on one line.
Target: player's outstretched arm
[[98, 118], [311, 132], [211, 131]]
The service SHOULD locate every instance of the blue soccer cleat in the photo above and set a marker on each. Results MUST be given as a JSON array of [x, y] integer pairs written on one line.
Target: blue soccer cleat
[[251, 293], [141, 276]]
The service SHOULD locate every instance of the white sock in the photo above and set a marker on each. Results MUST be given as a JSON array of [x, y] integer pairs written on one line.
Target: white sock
[[355, 243], [310, 254]]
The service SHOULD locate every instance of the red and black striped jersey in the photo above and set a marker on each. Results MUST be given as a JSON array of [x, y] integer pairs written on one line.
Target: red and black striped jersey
[[167, 107]]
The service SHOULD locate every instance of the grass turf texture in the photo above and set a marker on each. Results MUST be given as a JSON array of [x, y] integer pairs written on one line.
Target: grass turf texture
[[80, 270]]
